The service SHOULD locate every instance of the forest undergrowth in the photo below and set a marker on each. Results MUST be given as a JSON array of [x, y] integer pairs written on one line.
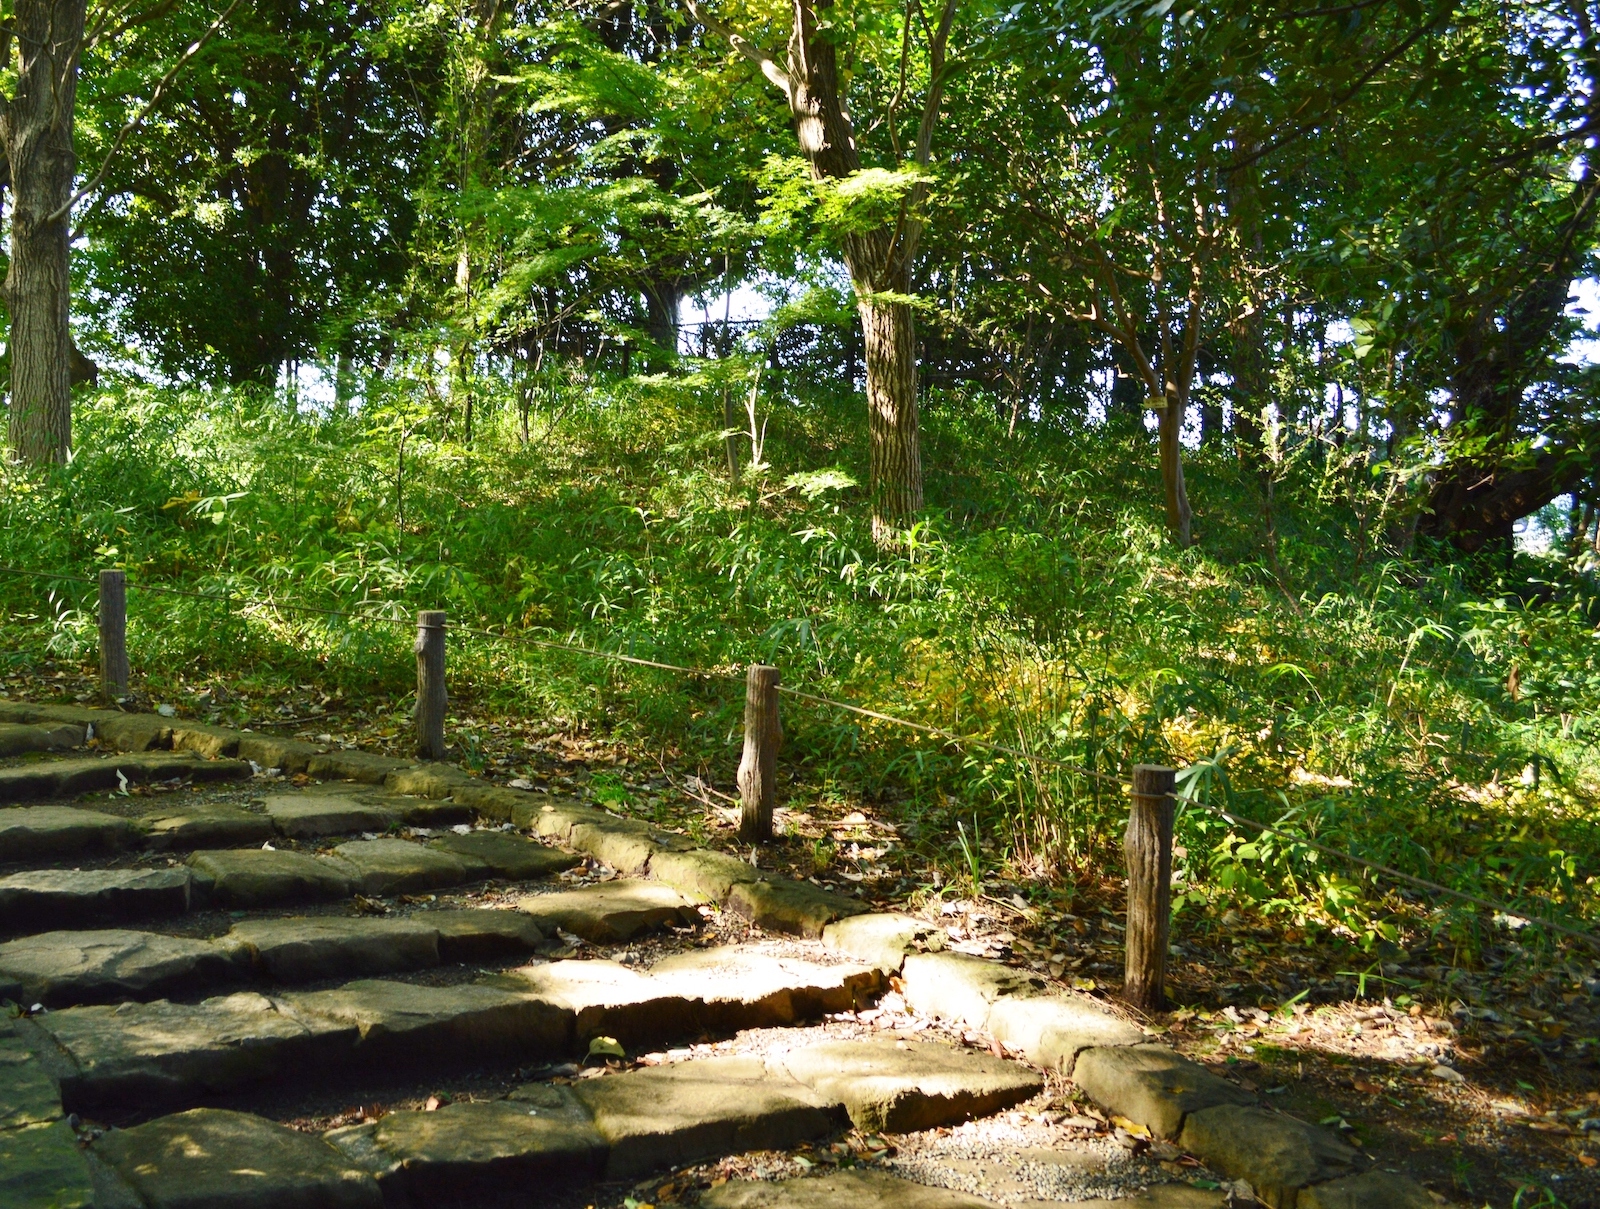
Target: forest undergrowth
[[1430, 714]]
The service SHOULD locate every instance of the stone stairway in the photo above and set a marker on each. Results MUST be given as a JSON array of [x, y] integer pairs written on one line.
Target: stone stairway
[[198, 951]]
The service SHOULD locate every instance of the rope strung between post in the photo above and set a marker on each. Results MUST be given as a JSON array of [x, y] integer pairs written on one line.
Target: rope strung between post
[[951, 736], [948, 736]]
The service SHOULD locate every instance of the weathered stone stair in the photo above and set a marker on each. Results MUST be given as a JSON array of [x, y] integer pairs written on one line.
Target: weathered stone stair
[[134, 1025]]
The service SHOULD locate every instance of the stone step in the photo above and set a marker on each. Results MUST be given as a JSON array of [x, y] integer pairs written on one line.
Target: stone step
[[246, 878], [72, 969], [42, 833], [617, 1127], [624, 1126], [42, 899], [139, 1056], [259, 877], [66, 778], [718, 991], [210, 1156], [20, 739], [609, 912]]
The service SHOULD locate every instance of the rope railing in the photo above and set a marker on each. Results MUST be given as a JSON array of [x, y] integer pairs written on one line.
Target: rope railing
[[761, 745]]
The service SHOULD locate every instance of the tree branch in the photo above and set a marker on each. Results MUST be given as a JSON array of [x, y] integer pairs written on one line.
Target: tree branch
[[1332, 107], [137, 119], [766, 62]]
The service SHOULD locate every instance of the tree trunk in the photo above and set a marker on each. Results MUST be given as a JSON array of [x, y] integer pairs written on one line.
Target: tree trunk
[[890, 340], [1176, 495], [36, 129], [661, 299]]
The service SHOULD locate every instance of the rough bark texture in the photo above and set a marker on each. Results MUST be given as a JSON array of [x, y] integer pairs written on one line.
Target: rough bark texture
[[879, 260], [758, 767], [1148, 848], [892, 415], [36, 130], [1500, 351]]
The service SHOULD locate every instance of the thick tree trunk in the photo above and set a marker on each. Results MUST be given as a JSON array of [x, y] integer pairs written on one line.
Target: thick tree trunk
[[36, 129], [890, 338], [661, 299]]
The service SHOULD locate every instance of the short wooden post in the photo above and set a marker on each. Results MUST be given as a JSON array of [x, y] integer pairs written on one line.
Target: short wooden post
[[113, 635], [1148, 846], [758, 769], [431, 695]]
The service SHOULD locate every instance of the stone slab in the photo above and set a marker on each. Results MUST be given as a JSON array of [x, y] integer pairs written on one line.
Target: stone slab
[[427, 812], [84, 776], [798, 908], [208, 741], [475, 935], [132, 732], [663, 1116], [502, 854], [608, 999], [859, 1189], [305, 950], [258, 877], [959, 986], [513, 806], [144, 1054], [1153, 1086], [51, 832], [208, 826], [65, 969], [210, 1156], [48, 898], [478, 1151], [882, 939], [424, 1026], [430, 780], [736, 987], [1370, 1190], [903, 1086], [625, 845], [1052, 1030], [555, 818], [611, 911], [390, 866], [28, 1095], [309, 815], [288, 756], [704, 876], [41, 1167], [1277, 1154], [718, 990], [363, 766], [19, 739]]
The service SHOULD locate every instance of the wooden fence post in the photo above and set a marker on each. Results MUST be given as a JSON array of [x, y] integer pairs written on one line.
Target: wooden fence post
[[758, 769], [431, 695], [113, 635], [1148, 846]]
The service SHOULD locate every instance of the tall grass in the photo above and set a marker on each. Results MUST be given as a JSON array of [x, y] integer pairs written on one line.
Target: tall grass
[[1394, 708]]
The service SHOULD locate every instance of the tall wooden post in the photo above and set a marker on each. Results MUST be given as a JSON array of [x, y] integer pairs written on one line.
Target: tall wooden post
[[431, 695], [1148, 846], [113, 635], [758, 769]]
